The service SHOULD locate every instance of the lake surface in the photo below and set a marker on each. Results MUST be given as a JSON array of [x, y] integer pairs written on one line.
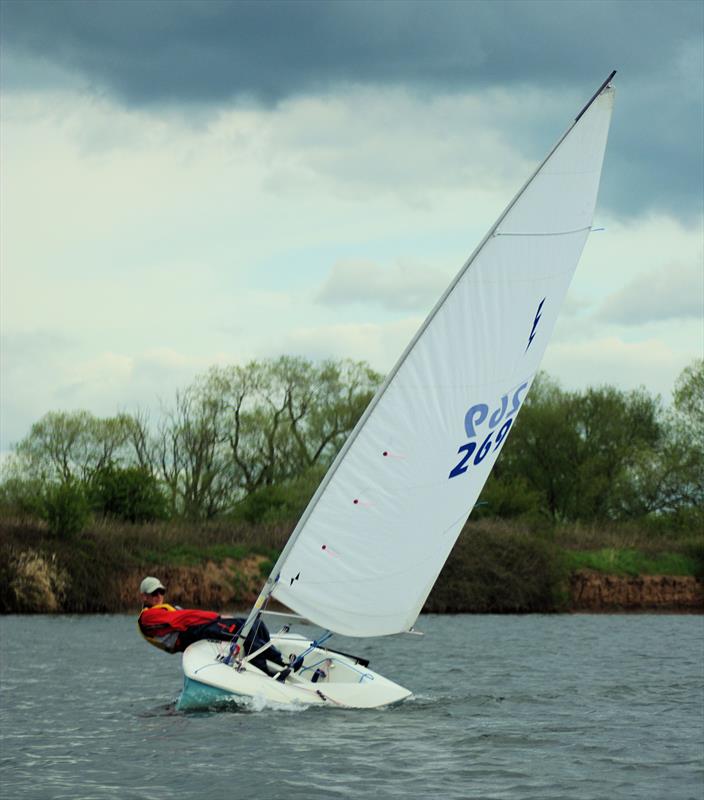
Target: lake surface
[[504, 707]]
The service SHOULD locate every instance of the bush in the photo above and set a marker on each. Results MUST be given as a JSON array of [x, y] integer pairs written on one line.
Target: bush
[[22, 498], [497, 568], [509, 497], [694, 548], [31, 581], [131, 494], [680, 523], [66, 509], [280, 502]]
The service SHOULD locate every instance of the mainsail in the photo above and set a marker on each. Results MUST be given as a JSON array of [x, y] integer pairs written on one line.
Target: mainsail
[[375, 536]]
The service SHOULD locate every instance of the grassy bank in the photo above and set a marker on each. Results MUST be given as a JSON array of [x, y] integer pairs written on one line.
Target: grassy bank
[[496, 566], [631, 549], [96, 571], [632, 562]]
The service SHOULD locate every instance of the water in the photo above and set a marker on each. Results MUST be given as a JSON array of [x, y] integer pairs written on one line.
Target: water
[[505, 707]]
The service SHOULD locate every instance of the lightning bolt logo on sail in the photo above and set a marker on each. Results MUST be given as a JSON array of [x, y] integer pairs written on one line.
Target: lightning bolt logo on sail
[[535, 324]]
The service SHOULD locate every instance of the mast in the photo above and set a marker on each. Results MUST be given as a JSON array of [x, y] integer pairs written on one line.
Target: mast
[[273, 578]]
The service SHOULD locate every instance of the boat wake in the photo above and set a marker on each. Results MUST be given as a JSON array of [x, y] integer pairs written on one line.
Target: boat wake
[[245, 705]]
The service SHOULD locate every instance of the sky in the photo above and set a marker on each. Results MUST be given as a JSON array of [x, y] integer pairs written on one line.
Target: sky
[[186, 184]]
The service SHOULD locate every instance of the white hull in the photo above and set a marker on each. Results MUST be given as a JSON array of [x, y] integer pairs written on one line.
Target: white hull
[[344, 682]]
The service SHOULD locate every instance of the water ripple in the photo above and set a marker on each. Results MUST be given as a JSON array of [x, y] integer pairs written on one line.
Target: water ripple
[[526, 708]]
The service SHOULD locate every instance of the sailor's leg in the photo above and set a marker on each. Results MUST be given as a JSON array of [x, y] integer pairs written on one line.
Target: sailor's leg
[[227, 627], [222, 630]]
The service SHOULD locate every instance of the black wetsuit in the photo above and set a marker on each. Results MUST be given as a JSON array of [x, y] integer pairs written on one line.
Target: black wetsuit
[[224, 629]]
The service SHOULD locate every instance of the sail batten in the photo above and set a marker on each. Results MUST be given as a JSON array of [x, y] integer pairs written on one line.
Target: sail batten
[[376, 534]]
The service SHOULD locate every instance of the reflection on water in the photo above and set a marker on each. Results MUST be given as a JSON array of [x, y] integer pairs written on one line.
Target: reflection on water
[[503, 707]]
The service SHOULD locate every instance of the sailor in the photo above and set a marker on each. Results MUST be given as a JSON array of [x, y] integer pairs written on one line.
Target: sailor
[[172, 628]]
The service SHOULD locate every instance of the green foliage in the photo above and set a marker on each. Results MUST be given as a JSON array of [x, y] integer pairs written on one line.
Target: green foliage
[[266, 567], [688, 398], [100, 571], [67, 510], [632, 562], [542, 448], [70, 445], [22, 497], [191, 554], [615, 428], [680, 523], [279, 502], [693, 547], [687, 435], [251, 443], [129, 493], [265, 504], [495, 568], [601, 454], [240, 430], [509, 497]]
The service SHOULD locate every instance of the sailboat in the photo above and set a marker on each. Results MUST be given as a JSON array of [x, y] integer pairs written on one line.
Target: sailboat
[[374, 537]]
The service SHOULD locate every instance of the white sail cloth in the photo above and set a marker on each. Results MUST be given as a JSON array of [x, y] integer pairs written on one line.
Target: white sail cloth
[[376, 536]]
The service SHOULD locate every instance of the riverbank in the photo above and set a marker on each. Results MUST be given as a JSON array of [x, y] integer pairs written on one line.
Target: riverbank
[[496, 567], [598, 593]]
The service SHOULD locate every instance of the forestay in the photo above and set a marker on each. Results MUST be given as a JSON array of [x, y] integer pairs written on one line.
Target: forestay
[[377, 533]]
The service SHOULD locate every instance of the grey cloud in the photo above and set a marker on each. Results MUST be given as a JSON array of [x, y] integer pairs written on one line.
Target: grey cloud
[[205, 51], [673, 293], [211, 53]]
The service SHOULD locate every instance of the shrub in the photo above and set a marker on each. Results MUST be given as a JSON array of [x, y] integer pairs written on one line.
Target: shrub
[[279, 502], [66, 509], [32, 581], [694, 548], [23, 498], [131, 494], [499, 568], [680, 523], [508, 497]]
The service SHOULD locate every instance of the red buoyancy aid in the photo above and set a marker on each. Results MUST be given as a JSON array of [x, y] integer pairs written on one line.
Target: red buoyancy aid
[[161, 624]]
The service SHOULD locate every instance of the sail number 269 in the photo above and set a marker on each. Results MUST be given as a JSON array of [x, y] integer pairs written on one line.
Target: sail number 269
[[478, 424]]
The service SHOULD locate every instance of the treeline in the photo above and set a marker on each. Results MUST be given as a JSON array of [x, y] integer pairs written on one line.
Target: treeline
[[603, 455], [244, 441], [252, 442]]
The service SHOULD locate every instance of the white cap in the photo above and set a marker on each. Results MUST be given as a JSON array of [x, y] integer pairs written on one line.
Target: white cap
[[150, 584]]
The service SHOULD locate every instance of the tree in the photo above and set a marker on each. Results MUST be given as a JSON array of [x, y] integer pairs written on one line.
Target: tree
[[670, 477], [324, 405], [543, 447], [269, 422], [190, 455], [688, 397], [583, 453], [284, 501], [688, 424], [140, 441], [65, 446], [254, 399], [267, 430], [66, 509], [129, 493], [617, 430], [20, 496]]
